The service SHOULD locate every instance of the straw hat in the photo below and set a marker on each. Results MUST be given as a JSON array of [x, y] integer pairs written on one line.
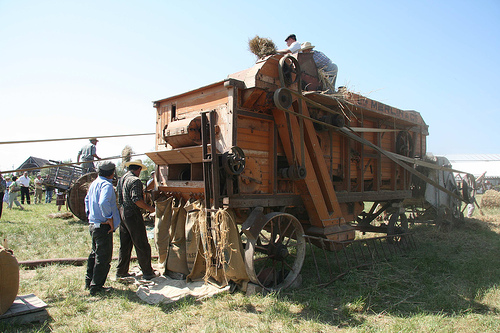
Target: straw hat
[[306, 46], [136, 162]]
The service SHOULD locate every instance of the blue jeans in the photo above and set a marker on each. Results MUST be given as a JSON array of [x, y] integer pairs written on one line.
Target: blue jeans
[[48, 196]]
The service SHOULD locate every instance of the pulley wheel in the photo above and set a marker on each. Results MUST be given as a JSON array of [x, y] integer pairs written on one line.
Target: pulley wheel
[[282, 98], [233, 161], [404, 144], [289, 70]]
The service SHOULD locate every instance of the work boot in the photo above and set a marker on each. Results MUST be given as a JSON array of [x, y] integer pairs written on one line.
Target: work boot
[[100, 290], [151, 275], [123, 276]]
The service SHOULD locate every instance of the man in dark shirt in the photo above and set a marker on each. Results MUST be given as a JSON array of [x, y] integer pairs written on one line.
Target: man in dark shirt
[[132, 228]]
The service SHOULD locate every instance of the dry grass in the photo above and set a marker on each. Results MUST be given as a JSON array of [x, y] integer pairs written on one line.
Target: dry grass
[[449, 284], [490, 199]]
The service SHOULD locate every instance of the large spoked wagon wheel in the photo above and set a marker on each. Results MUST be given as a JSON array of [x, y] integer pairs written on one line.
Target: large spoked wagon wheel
[[398, 224], [274, 259], [77, 193]]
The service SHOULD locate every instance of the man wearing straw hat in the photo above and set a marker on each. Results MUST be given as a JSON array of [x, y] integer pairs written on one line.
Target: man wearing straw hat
[[324, 64], [132, 228], [88, 153]]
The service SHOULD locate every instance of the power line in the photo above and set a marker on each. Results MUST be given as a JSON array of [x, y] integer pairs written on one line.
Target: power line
[[68, 139]]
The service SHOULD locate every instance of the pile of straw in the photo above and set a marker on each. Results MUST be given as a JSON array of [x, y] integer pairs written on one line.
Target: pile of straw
[[215, 242], [490, 199], [325, 82], [127, 153], [262, 47], [65, 215]]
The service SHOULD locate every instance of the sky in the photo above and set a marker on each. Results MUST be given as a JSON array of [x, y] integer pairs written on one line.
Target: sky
[[71, 69]]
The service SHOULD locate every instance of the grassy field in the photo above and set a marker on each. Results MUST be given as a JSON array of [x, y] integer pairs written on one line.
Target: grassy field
[[450, 283]]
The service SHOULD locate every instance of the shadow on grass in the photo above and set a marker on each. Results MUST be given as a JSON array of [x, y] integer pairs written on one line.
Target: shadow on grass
[[77, 222], [449, 273]]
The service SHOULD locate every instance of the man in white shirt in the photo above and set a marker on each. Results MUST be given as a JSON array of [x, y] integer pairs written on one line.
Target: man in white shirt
[[24, 180], [292, 45]]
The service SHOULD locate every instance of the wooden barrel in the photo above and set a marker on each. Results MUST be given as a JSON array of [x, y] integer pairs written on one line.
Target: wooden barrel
[[77, 193], [9, 279]]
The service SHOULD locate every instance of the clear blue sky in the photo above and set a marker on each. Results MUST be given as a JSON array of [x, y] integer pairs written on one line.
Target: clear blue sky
[[91, 68]]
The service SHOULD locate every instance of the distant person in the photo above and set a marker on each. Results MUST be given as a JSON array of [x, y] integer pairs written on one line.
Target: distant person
[[60, 199], [292, 45], [470, 209], [104, 218], [132, 229], [88, 153], [151, 180], [3, 188], [324, 64], [14, 189], [24, 181], [8, 181], [49, 192], [38, 189]]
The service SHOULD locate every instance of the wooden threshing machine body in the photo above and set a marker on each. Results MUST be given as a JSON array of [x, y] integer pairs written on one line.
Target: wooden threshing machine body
[[316, 157]]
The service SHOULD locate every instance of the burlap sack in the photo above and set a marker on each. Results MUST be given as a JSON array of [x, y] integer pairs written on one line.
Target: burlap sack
[[199, 266], [177, 261], [193, 210], [234, 266], [219, 256], [9, 279], [163, 220]]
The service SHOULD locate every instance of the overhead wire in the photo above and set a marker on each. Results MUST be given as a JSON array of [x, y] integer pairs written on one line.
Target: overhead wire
[[56, 165], [69, 139]]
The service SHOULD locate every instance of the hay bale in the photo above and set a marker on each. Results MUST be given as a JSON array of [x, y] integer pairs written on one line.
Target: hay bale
[[262, 47], [490, 199]]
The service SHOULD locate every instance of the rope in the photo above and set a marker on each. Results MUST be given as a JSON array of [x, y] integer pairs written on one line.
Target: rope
[[68, 139]]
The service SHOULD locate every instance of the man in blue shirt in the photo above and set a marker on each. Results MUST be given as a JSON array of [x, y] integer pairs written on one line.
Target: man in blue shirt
[[104, 218]]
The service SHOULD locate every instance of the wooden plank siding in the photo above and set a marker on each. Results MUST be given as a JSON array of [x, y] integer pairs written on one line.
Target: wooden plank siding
[[254, 136]]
